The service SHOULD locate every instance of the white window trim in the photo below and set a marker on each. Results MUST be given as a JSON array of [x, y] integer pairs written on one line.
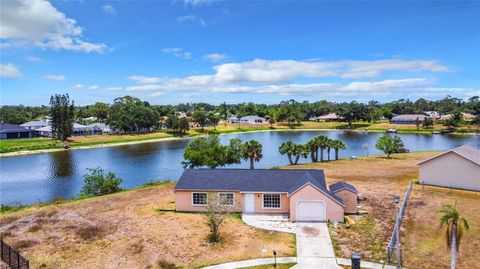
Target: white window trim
[[228, 193], [198, 204], [263, 201]]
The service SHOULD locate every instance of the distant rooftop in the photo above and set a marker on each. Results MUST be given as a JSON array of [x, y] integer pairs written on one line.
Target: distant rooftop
[[11, 128]]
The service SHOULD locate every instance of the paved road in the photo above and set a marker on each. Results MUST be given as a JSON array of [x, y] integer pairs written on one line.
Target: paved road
[[314, 247]]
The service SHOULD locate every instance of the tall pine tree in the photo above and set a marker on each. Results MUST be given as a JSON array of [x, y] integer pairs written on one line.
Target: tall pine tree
[[61, 112]]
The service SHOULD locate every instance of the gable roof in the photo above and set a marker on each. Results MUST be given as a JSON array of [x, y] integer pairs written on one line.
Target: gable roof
[[11, 128], [468, 152], [253, 180], [34, 123], [341, 185], [409, 117]]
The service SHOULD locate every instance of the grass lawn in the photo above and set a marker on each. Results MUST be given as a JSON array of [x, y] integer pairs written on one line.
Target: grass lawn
[[270, 266], [80, 141], [126, 230], [378, 179]]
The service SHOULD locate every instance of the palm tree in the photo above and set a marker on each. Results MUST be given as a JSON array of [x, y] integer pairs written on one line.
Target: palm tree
[[287, 148], [252, 150], [321, 142], [299, 151], [329, 147], [456, 224], [337, 145], [311, 146]]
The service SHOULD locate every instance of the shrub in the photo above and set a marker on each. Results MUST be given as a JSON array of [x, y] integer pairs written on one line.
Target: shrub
[[97, 183], [156, 183]]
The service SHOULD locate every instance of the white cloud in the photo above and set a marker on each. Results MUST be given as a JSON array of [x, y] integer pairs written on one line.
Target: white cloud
[[93, 87], [34, 59], [192, 18], [156, 94], [78, 86], [144, 79], [54, 77], [39, 23], [146, 87], [178, 52], [109, 9], [215, 57], [195, 3], [9, 71]]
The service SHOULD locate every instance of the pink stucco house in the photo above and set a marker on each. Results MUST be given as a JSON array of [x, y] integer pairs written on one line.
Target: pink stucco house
[[300, 193], [456, 168]]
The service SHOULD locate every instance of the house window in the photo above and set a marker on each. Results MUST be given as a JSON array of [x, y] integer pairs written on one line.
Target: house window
[[271, 200], [199, 198], [227, 198]]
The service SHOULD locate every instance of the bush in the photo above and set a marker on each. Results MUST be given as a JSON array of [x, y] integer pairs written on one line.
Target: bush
[[97, 183]]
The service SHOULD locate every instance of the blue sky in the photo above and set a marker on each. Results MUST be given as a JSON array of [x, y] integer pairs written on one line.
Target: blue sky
[[213, 51]]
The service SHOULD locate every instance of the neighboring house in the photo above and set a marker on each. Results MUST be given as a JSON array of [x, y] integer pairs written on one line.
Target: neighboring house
[[433, 114], [233, 120], [10, 131], [252, 120], [329, 117], [35, 124], [301, 193], [408, 119], [102, 126], [78, 130], [348, 193], [457, 168]]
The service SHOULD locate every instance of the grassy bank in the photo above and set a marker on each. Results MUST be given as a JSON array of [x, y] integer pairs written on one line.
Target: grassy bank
[[378, 179], [36, 144]]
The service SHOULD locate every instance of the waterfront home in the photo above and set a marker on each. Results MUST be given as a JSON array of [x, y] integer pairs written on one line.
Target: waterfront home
[[457, 168], [102, 126], [408, 119], [300, 193], [35, 124], [11, 131], [433, 114], [78, 130], [465, 116], [329, 117], [252, 120]]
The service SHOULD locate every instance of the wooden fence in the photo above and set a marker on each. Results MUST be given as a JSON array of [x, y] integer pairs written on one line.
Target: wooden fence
[[398, 223], [12, 258]]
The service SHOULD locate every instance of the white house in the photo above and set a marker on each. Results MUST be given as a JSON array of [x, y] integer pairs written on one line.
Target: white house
[[457, 168], [33, 125], [252, 120]]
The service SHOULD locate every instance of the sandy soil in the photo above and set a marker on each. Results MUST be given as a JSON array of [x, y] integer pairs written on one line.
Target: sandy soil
[[378, 179], [125, 231]]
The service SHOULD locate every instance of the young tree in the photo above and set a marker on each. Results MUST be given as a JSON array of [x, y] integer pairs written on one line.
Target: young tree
[[417, 123], [456, 224], [200, 117], [97, 183], [288, 148], [207, 151], [62, 113], [217, 211], [272, 122], [389, 144], [252, 150]]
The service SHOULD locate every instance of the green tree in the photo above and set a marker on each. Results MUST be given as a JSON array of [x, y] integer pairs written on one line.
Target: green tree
[[223, 110], [200, 117], [252, 150], [322, 144], [456, 225], [214, 118], [476, 121], [98, 183], [455, 119], [207, 151], [389, 144], [100, 110], [337, 145], [272, 122], [329, 146], [288, 148], [428, 122], [62, 113], [298, 152], [130, 114], [312, 147], [351, 112]]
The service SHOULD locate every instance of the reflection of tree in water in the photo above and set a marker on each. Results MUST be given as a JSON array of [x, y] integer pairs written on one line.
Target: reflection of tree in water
[[61, 164]]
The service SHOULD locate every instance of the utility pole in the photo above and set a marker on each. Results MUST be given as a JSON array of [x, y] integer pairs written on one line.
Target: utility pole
[[396, 199]]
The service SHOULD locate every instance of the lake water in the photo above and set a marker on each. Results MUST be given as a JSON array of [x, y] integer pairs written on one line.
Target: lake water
[[43, 177]]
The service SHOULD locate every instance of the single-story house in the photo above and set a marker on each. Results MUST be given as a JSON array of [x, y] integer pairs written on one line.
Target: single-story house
[[329, 117], [232, 120], [11, 131], [300, 193], [457, 168], [78, 130], [252, 120], [408, 119], [433, 114], [35, 124], [102, 126]]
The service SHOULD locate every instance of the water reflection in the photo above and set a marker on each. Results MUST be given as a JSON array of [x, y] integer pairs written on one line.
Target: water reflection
[[42, 177]]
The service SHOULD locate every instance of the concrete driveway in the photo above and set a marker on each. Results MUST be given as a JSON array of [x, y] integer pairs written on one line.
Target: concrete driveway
[[314, 247]]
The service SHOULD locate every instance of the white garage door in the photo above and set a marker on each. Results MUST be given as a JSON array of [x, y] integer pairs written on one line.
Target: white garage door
[[311, 211]]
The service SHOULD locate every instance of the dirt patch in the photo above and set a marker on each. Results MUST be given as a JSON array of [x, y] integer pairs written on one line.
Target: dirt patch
[[310, 231]]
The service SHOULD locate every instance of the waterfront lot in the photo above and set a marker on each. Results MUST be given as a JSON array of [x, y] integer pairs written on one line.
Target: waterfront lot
[[424, 244]]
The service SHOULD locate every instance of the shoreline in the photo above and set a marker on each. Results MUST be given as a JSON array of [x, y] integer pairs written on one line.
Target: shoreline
[[115, 144]]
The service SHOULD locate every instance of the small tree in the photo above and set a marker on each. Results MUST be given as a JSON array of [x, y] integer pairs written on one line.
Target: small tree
[[62, 113], [299, 151], [428, 122], [252, 150], [272, 122], [97, 183], [288, 148], [214, 118], [337, 145], [389, 144], [456, 224], [217, 211], [200, 117]]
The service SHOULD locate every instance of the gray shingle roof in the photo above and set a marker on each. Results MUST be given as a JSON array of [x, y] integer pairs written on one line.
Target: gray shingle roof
[[409, 117], [336, 187], [466, 151], [34, 123], [10, 128], [253, 180]]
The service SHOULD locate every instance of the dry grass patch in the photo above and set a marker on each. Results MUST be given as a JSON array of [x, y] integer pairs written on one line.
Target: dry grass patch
[[378, 179], [124, 230]]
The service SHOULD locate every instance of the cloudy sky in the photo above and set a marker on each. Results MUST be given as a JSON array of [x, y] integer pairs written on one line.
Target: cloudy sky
[[213, 51]]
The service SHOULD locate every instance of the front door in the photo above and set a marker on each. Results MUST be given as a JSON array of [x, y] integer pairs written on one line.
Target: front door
[[249, 203]]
